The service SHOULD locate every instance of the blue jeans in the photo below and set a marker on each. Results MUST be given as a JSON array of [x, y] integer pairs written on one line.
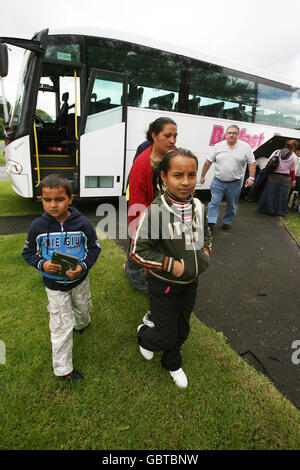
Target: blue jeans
[[231, 191]]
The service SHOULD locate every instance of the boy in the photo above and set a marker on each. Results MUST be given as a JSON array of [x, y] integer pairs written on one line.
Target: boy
[[64, 229]]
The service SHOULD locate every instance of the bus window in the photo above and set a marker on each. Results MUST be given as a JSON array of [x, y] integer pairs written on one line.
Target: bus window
[[216, 94], [46, 101], [237, 112], [22, 91], [277, 107], [67, 84], [107, 94], [154, 80], [63, 48], [52, 95], [160, 99]]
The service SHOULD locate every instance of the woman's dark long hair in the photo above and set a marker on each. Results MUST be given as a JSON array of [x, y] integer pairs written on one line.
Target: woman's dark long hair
[[157, 126]]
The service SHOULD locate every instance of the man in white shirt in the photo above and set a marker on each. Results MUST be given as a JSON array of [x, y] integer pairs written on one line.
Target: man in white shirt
[[230, 157]]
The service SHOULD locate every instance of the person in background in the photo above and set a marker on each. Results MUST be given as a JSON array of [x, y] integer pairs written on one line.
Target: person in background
[[144, 187], [143, 146], [260, 181], [175, 260], [274, 199], [230, 157], [297, 168]]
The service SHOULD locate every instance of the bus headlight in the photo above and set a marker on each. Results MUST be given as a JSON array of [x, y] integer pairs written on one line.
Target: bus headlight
[[14, 168]]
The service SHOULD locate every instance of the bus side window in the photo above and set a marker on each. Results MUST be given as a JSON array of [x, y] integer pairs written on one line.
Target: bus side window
[[213, 110], [135, 96], [237, 113], [193, 105], [99, 106], [164, 102]]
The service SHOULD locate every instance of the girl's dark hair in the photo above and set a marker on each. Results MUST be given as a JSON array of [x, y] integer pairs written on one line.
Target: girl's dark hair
[[165, 163], [56, 181], [157, 126]]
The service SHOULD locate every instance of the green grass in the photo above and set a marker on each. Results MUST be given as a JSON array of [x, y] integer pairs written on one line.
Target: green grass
[[292, 221], [13, 204], [124, 402]]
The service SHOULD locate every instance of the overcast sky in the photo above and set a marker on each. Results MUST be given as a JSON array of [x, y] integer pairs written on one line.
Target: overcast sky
[[260, 33]]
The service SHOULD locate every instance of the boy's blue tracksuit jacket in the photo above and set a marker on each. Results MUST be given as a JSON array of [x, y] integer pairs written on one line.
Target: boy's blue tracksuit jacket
[[75, 236]]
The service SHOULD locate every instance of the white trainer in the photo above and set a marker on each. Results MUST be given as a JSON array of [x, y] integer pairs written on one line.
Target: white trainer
[[145, 352], [147, 321], [179, 377]]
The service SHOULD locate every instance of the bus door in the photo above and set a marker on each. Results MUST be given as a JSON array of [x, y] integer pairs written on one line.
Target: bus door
[[56, 123], [103, 135]]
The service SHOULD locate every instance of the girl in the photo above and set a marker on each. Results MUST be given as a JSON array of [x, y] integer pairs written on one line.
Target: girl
[[173, 241]]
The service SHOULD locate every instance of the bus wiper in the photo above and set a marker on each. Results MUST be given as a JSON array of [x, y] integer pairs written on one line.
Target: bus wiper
[[32, 45]]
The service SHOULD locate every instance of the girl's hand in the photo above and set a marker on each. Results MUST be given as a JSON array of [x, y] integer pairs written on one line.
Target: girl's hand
[[75, 273], [177, 268], [51, 268]]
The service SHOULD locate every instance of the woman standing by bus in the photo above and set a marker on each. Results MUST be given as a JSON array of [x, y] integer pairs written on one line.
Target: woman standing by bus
[[144, 187], [274, 199]]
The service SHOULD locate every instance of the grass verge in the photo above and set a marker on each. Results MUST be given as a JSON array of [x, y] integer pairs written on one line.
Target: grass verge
[[13, 204], [292, 222], [125, 402]]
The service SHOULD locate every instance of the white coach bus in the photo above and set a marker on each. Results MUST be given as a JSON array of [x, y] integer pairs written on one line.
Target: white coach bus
[[84, 103]]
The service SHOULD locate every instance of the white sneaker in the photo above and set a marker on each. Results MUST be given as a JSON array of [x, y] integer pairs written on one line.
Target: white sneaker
[[179, 378], [145, 352], [147, 321]]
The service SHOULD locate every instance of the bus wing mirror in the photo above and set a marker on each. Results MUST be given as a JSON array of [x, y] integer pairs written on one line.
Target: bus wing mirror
[[3, 60]]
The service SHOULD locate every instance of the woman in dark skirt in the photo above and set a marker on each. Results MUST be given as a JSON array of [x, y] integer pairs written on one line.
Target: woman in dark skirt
[[274, 199]]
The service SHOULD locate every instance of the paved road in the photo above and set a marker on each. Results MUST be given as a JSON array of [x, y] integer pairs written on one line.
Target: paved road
[[250, 292]]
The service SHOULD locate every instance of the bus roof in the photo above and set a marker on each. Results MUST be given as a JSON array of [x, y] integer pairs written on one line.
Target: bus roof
[[173, 48]]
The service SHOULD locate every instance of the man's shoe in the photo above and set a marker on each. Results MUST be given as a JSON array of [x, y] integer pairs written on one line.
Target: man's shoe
[[179, 377], [145, 352], [147, 320], [225, 226], [211, 226], [74, 376]]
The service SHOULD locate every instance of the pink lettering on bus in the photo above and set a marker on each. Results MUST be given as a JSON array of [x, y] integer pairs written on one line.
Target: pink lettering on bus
[[218, 134]]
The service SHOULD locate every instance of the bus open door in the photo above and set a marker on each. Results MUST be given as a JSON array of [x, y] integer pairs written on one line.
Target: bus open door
[[103, 135]]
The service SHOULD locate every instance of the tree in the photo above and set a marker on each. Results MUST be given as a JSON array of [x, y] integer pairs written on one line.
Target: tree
[[43, 115]]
